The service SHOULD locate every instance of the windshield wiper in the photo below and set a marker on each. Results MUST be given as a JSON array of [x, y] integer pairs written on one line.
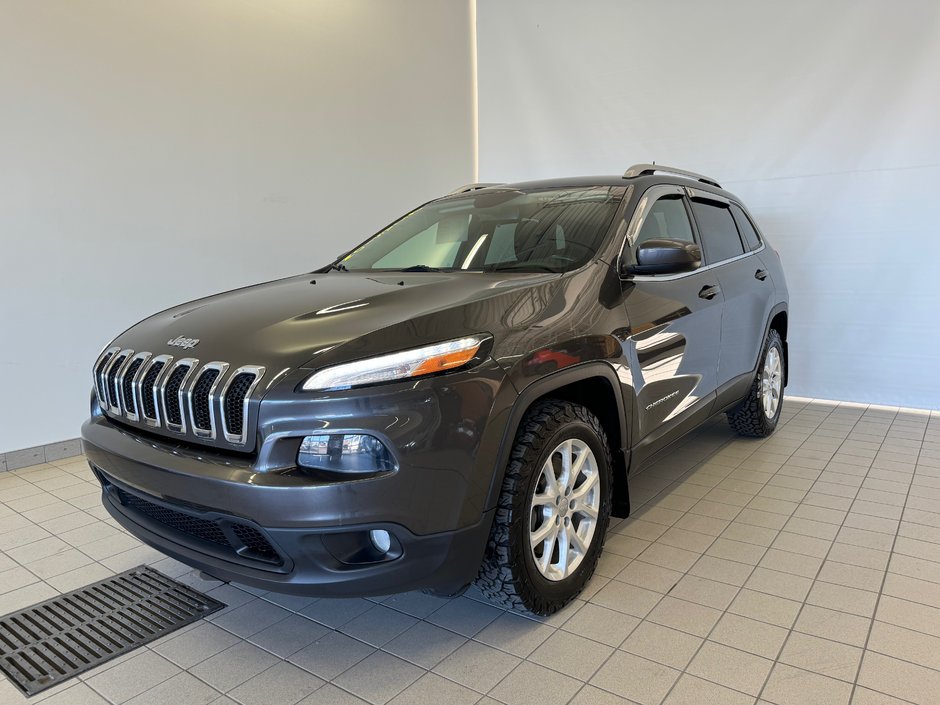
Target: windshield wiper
[[523, 266], [421, 268], [338, 266]]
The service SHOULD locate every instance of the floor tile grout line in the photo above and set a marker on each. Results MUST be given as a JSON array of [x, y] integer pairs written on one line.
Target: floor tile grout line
[[375, 649], [725, 611], [38, 524], [684, 670], [242, 640], [144, 648], [884, 578], [803, 603]]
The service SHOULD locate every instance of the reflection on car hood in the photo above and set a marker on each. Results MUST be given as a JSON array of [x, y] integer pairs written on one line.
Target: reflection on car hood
[[287, 322]]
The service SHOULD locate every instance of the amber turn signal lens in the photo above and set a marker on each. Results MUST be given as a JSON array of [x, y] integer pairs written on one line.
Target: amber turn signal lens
[[448, 361]]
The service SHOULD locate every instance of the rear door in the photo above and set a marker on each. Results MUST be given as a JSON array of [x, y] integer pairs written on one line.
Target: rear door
[[745, 285], [673, 325]]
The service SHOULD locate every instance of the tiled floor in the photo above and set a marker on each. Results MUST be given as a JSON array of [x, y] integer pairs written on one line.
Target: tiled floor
[[802, 569]]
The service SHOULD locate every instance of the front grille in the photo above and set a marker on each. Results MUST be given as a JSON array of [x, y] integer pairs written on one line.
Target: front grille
[[174, 413], [234, 400], [130, 404], [100, 382], [146, 390], [202, 412], [112, 381], [237, 538], [151, 392]]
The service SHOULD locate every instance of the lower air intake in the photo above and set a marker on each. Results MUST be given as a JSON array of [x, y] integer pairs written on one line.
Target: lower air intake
[[236, 540]]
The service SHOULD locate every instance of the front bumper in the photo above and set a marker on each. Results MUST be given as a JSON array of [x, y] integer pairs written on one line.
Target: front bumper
[[280, 531]]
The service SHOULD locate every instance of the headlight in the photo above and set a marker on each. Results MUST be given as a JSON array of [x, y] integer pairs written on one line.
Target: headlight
[[400, 365]]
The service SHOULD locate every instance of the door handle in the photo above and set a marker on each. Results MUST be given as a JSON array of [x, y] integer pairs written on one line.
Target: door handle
[[760, 274], [709, 292]]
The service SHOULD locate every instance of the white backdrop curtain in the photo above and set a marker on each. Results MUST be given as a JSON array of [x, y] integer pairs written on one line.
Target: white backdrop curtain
[[823, 117]]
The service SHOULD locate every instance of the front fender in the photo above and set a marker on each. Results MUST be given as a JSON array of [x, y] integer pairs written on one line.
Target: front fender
[[544, 387]]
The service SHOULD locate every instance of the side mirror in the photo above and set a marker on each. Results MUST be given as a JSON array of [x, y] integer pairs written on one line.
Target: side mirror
[[665, 257]]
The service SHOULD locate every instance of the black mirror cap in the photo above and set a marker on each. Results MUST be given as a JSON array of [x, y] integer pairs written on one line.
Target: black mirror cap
[[662, 256]]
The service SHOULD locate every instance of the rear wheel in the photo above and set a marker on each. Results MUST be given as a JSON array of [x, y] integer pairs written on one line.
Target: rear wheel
[[758, 414], [553, 510]]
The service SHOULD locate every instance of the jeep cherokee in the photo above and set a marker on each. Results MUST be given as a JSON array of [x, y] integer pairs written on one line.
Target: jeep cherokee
[[459, 398]]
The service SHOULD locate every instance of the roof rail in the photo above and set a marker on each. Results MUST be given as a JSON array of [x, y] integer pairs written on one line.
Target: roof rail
[[472, 187], [647, 169]]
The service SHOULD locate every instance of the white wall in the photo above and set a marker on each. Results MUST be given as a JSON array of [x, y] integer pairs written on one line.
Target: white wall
[[154, 152], [824, 117]]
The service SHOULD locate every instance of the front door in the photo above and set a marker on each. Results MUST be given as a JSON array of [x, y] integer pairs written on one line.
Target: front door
[[674, 324]]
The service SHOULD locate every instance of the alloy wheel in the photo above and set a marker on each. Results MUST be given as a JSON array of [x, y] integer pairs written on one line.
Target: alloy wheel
[[771, 382], [564, 509]]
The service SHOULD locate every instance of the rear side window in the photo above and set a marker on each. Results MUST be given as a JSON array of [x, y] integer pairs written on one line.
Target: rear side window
[[666, 219], [745, 227], [717, 230]]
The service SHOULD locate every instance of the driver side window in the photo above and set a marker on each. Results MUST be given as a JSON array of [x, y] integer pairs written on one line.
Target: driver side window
[[667, 219]]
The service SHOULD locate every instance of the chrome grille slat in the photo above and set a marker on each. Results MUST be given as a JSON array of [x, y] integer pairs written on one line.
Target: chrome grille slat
[[111, 378], [127, 383], [181, 396], [200, 398], [172, 394], [150, 391], [101, 367], [234, 402]]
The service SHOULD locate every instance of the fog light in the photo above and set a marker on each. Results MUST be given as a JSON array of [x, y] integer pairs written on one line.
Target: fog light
[[345, 452], [381, 540]]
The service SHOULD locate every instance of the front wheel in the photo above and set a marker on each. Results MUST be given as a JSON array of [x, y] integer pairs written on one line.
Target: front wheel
[[553, 510], [758, 414]]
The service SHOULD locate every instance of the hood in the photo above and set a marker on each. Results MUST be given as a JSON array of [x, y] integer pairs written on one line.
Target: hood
[[286, 323]]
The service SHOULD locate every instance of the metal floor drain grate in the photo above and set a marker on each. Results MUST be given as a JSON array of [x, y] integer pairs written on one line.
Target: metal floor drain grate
[[45, 644]]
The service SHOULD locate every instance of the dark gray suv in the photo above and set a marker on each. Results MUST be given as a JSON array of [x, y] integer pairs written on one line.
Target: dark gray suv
[[459, 398]]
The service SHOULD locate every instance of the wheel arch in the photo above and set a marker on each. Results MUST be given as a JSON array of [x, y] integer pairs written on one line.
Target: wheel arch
[[779, 322], [593, 385]]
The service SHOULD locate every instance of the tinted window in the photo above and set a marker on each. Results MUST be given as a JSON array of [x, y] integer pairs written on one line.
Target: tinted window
[[666, 219], [716, 227], [745, 227], [435, 246], [502, 246], [553, 230]]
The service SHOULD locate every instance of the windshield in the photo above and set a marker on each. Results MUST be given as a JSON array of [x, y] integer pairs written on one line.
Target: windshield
[[549, 230]]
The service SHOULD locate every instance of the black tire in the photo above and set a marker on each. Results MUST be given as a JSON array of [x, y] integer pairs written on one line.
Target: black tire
[[750, 418], [508, 575]]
